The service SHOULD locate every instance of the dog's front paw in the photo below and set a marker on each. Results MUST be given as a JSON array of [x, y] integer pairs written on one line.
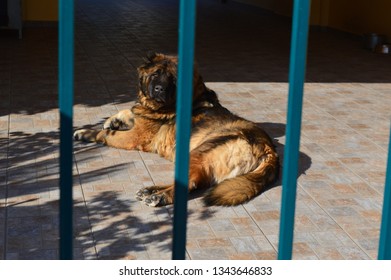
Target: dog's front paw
[[87, 135], [112, 124], [151, 197]]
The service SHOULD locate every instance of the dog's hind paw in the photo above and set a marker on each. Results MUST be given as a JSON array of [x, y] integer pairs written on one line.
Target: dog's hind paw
[[87, 135]]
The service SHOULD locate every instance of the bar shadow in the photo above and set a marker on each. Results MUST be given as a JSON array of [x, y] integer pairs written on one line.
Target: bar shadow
[[107, 224], [31, 162], [103, 228]]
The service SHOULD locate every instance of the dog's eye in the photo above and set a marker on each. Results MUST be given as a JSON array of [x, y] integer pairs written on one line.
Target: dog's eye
[[154, 75]]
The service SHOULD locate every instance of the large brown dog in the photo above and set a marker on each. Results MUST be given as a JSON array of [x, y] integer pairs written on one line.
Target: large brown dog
[[230, 156]]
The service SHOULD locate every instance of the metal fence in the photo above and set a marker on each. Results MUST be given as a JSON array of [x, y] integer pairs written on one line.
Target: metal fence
[[187, 18]]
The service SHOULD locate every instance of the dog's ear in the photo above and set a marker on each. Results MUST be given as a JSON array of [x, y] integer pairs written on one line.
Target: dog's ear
[[147, 61], [150, 56]]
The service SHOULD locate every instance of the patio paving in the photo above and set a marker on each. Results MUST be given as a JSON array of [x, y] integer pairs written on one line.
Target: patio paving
[[242, 53]]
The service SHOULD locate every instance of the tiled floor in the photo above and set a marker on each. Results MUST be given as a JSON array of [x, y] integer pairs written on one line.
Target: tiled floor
[[242, 53]]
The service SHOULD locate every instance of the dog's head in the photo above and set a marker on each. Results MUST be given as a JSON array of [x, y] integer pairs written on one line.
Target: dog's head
[[158, 80]]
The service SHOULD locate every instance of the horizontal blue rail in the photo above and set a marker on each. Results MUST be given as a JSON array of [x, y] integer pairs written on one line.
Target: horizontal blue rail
[[184, 109], [295, 103]]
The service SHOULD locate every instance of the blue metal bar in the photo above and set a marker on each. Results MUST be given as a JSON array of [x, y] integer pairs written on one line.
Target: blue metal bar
[[184, 108], [298, 55], [385, 230], [66, 73]]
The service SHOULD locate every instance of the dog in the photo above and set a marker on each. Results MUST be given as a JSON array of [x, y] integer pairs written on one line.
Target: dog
[[231, 157]]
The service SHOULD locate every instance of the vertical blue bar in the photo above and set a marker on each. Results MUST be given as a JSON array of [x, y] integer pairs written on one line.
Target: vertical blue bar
[[184, 107], [66, 61], [385, 230], [298, 55]]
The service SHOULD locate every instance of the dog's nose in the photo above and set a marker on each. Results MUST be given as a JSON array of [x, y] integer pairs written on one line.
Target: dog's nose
[[159, 89]]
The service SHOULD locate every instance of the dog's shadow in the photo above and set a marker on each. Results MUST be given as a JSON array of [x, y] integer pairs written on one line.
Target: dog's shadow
[[275, 131]]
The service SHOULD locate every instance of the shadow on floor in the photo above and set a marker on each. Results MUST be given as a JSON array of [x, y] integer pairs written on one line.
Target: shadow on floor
[[235, 43], [107, 229], [32, 163], [276, 130]]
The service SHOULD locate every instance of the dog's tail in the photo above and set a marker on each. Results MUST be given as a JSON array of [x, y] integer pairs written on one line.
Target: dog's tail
[[241, 189]]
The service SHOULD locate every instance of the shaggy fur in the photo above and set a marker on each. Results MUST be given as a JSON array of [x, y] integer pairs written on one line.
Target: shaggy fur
[[230, 156]]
